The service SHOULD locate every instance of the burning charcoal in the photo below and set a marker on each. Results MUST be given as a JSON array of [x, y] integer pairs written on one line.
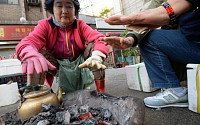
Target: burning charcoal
[[12, 119], [96, 111], [73, 110], [25, 121], [28, 121], [67, 117], [60, 116], [88, 115], [122, 111], [32, 121], [83, 109], [53, 109], [12, 122], [62, 106], [74, 115], [80, 122], [45, 114], [106, 123], [84, 115], [113, 122], [91, 121], [46, 107], [43, 122]]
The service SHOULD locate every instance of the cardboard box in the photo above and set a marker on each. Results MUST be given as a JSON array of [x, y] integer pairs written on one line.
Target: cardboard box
[[138, 79], [193, 87]]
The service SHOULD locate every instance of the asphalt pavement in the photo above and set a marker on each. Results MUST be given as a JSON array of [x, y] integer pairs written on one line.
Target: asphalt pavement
[[116, 85]]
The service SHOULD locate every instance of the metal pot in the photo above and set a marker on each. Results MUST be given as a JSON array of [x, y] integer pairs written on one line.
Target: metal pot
[[31, 100]]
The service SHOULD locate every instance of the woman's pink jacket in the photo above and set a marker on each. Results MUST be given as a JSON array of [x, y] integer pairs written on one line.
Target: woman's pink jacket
[[45, 35]]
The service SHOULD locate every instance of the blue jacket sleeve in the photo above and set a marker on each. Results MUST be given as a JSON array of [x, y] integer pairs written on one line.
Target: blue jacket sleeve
[[195, 3]]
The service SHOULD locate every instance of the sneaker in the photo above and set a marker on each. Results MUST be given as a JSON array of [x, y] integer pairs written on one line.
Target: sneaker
[[167, 98]]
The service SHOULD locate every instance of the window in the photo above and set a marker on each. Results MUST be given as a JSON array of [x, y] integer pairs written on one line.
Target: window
[[13, 1], [9, 1], [33, 2], [3, 1]]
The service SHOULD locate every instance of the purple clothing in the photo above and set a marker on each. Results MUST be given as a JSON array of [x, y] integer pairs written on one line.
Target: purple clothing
[[66, 47]]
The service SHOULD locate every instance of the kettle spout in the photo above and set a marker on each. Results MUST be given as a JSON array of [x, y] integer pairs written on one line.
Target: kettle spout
[[60, 99]]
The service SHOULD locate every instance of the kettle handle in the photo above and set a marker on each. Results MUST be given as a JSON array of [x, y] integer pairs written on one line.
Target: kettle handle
[[21, 90], [35, 87]]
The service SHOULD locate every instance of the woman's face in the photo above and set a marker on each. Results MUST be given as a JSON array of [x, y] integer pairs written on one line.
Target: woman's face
[[64, 11]]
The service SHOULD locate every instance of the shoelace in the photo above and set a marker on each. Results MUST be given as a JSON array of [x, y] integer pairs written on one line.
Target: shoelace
[[162, 92], [165, 90]]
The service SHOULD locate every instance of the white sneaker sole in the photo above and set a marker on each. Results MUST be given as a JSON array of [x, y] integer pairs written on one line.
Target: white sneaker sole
[[181, 105]]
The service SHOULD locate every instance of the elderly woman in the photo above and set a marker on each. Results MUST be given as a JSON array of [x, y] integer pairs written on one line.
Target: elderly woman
[[65, 37]]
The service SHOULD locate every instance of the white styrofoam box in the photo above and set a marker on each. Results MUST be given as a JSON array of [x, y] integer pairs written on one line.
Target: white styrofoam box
[[8, 94], [133, 78], [10, 66], [192, 87]]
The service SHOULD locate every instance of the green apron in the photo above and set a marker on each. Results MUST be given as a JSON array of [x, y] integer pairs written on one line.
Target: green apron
[[73, 78]]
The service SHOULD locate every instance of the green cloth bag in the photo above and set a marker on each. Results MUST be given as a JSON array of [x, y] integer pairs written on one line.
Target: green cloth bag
[[71, 77]]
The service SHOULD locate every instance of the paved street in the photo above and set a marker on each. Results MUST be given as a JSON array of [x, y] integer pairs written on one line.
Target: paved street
[[116, 85]]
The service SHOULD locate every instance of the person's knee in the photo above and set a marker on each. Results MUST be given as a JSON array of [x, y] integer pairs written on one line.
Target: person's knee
[[154, 39]]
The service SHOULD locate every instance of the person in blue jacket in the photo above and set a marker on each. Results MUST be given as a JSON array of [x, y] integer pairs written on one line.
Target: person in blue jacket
[[159, 47]]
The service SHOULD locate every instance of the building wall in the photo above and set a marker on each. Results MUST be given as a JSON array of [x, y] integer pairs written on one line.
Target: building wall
[[126, 7], [132, 6], [135, 6], [86, 6], [116, 10], [10, 12], [34, 13]]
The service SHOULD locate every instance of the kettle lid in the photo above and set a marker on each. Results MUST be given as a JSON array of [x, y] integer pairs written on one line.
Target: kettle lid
[[37, 91]]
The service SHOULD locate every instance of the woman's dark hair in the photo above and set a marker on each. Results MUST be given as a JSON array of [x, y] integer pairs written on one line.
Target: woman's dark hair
[[49, 6]]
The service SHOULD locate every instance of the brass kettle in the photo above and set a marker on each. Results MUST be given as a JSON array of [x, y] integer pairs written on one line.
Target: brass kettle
[[31, 100]]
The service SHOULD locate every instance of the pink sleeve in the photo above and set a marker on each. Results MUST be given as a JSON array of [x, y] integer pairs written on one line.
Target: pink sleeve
[[37, 38]]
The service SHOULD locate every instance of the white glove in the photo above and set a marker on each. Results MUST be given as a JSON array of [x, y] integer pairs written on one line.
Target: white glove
[[95, 61]]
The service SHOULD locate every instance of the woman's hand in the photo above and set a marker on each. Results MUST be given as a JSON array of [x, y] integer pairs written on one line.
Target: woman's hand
[[95, 61], [31, 59], [118, 42]]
